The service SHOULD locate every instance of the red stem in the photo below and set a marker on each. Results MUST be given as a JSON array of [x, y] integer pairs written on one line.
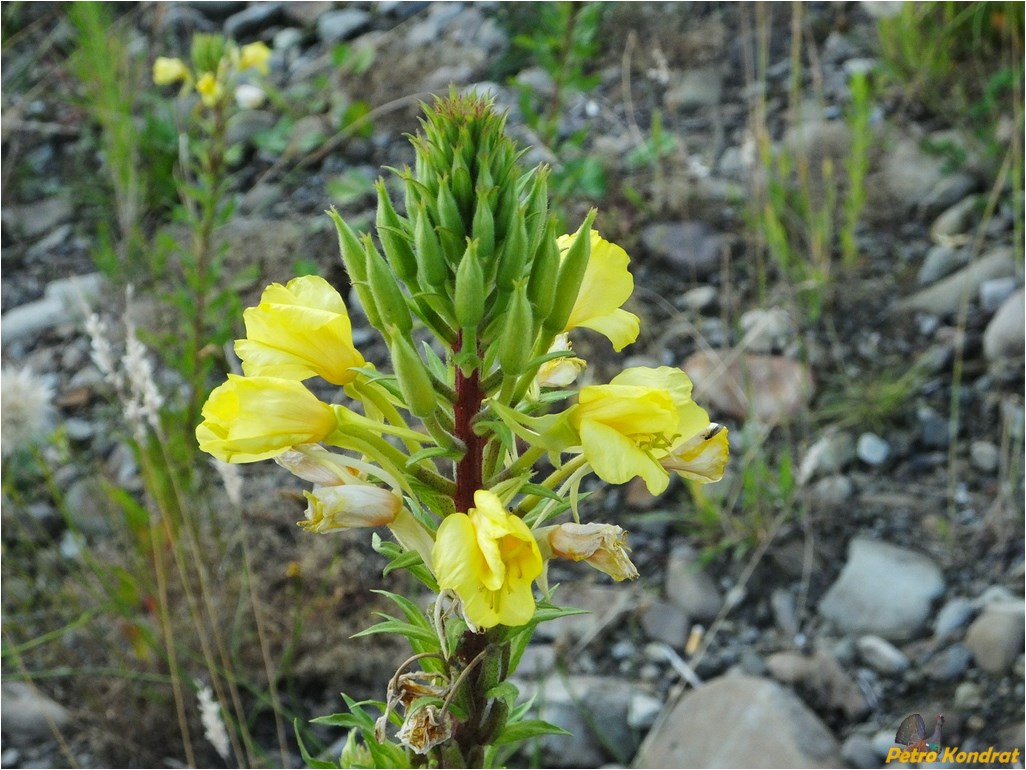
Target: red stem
[[468, 470]]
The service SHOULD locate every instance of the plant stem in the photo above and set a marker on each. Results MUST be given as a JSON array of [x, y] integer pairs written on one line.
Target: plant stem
[[469, 396]]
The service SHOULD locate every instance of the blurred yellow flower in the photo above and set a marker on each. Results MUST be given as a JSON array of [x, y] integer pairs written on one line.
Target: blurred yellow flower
[[167, 70], [209, 89], [254, 418], [603, 546], [642, 417], [298, 331], [489, 558], [254, 56], [607, 284]]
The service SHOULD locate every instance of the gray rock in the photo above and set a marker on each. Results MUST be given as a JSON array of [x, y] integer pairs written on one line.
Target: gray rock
[[934, 430], [45, 246], [666, 622], [949, 663], [88, 506], [829, 454], [336, 26], [603, 604], [953, 615], [305, 13], [956, 220], [28, 715], [784, 611], [1005, 335], [994, 292], [830, 491], [64, 300], [909, 174], [536, 79], [947, 192], [772, 389], [253, 20], [968, 695], [693, 247], [766, 330], [872, 449], [739, 721], [286, 38], [984, 456], [537, 661], [821, 675], [858, 751], [79, 429], [696, 89], [690, 588], [881, 655], [944, 297], [219, 10], [183, 19], [643, 710], [940, 261], [995, 638], [700, 298], [244, 125], [883, 589], [38, 218]]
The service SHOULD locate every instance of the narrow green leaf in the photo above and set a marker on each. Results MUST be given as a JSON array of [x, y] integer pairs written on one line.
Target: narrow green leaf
[[529, 728]]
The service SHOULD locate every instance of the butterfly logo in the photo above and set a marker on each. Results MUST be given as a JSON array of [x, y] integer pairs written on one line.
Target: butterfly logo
[[912, 733]]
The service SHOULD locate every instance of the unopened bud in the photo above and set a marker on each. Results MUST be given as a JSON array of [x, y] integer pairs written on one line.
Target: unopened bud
[[571, 274], [453, 230], [517, 339], [388, 297], [484, 226], [355, 260], [541, 288], [394, 238], [470, 299], [514, 253], [414, 381], [428, 251], [537, 207]]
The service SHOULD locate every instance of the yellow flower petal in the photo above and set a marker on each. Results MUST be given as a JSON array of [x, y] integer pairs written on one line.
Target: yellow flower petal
[[298, 331], [167, 70], [255, 56], [617, 458], [490, 559], [209, 89], [254, 418], [606, 285]]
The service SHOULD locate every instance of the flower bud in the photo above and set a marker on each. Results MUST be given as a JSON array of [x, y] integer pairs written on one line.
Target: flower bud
[[453, 231], [349, 506], [470, 290], [388, 297], [537, 207], [541, 288], [603, 546], [207, 52], [484, 225], [414, 381], [394, 239], [355, 260], [431, 263], [514, 253], [571, 274], [462, 184], [517, 340]]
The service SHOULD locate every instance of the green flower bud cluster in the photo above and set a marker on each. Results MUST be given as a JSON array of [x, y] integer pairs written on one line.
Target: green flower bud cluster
[[475, 255]]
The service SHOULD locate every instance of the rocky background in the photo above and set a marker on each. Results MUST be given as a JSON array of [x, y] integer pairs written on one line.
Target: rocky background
[[862, 561]]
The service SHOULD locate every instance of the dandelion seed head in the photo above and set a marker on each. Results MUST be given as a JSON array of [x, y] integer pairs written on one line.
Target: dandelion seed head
[[26, 409]]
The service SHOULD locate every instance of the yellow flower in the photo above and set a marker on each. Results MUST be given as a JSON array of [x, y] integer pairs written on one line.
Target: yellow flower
[[297, 331], [628, 427], [702, 457], [255, 56], [607, 284], [603, 546], [210, 90], [346, 506], [489, 558], [253, 418], [167, 70]]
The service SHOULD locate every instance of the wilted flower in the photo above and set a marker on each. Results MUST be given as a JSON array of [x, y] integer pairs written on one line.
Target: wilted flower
[[349, 506], [603, 546], [489, 558], [560, 372], [425, 728]]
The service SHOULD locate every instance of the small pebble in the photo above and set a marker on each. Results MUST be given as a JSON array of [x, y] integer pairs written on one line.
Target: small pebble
[[881, 655], [872, 449], [984, 456], [643, 710], [953, 615]]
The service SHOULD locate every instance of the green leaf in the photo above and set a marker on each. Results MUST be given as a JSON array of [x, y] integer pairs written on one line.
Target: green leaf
[[529, 728], [415, 634], [310, 761], [427, 453], [505, 691]]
